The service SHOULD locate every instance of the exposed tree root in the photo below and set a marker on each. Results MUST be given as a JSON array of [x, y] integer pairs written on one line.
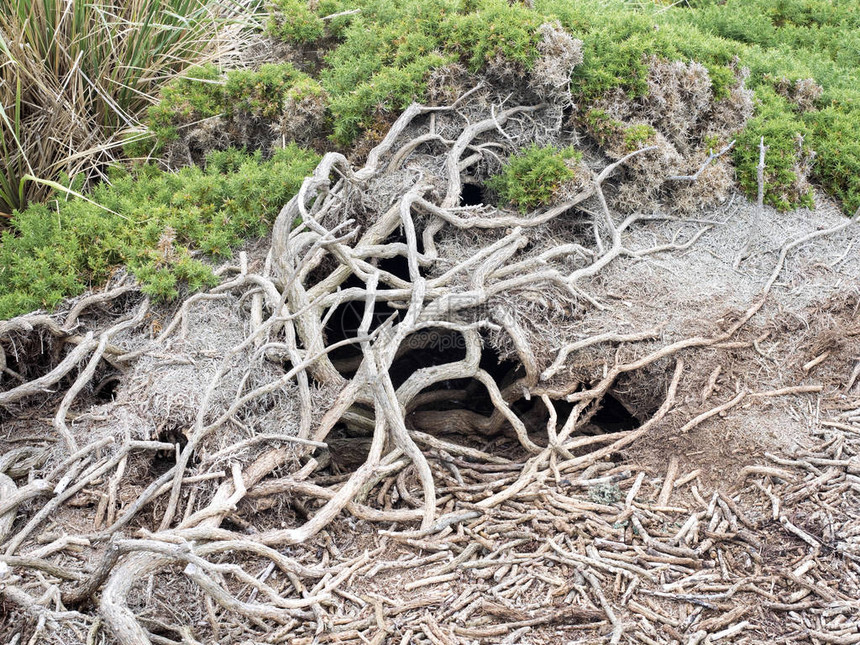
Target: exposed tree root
[[208, 494]]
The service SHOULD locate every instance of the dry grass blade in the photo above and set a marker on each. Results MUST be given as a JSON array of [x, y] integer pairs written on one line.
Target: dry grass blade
[[77, 75]]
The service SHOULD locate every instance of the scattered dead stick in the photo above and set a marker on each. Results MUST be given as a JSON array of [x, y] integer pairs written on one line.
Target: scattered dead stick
[[361, 511], [834, 639], [668, 482], [76, 457], [760, 174], [565, 351], [41, 565], [712, 413], [455, 449], [855, 374], [736, 511], [841, 426], [803, 535], [535, 464], [440, 524], [795, 389], [8, 491], [215, 591], [36, 608], [816, 361], [770, 471], [712, 383], [560, 615], [55, 502]]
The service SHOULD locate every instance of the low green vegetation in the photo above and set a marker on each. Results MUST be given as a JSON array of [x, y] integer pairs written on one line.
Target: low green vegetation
[[355, 65], [385, 54], [804, 57], [618, 42], [611, 133], [159, 224], [381, 59], [194, 97], [787, 139], [533, 177], [249, 103], [382, 55], [293, 21]]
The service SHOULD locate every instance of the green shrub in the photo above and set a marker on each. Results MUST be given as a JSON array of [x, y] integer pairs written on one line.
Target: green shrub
[[156, 220], [197, 95], [614, 136], [245, 98], [293, 21], [260, 93], [778, 40], [782, 134], [638, 136], [532, 177], [602, 126], [618, 43], [782, 42], [384, 55], [383, 61], [303, 89], [391, 89], [495, 30], [388, 50], [836, 140]]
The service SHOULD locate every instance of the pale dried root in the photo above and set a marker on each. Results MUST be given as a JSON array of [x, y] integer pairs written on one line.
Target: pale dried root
[[471, 508]]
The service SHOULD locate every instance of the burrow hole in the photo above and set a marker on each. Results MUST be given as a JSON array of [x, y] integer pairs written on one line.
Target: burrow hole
[[472, 195]]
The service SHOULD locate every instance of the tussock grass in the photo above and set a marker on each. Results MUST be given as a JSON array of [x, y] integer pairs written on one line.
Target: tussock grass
[[75, 75]]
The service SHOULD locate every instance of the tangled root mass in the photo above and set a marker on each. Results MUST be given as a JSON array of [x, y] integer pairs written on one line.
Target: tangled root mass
[[467, 377]]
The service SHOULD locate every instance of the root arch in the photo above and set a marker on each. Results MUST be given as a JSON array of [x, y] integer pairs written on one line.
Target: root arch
[[507, 308]]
